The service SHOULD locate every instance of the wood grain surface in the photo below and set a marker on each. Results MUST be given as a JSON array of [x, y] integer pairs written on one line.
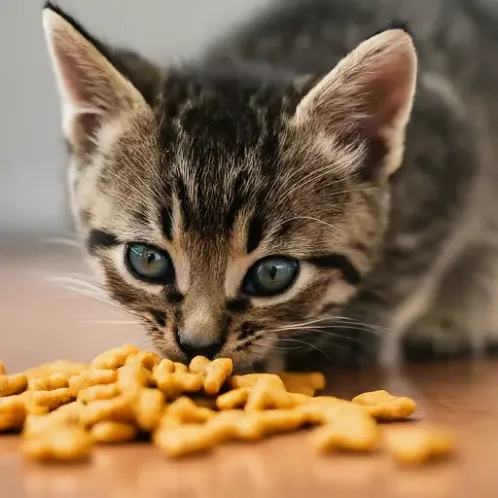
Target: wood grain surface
[[43, 322]]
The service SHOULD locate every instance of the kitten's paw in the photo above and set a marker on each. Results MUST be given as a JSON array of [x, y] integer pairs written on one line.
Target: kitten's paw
[[436, 339]]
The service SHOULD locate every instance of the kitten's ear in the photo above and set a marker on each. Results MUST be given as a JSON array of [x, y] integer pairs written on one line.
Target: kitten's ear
[[367, 98], [92, 90]]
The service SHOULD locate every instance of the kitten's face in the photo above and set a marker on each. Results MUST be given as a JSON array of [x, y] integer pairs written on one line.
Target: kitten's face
[[227, 214]]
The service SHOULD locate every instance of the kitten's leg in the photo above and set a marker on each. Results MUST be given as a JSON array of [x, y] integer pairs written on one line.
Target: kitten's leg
[[401, 291], [464, 317]]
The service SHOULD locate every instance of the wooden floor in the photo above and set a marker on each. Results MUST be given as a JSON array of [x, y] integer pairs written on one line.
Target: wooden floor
[[42, 322]]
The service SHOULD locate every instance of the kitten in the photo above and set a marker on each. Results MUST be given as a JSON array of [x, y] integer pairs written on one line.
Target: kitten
[[252, 204]]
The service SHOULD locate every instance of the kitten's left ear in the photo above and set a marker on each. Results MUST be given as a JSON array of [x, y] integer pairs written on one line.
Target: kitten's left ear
[[367, 99], [93, 91]]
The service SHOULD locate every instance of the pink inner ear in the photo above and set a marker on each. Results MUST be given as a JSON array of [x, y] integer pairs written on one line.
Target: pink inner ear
[[387, 97]]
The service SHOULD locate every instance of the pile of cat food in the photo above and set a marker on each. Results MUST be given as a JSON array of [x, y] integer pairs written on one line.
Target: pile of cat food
[[63, 409]]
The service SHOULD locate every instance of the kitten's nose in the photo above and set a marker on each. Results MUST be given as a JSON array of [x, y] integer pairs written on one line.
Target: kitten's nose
[[192, 345]]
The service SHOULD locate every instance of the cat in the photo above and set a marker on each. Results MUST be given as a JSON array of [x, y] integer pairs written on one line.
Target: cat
[[323, 178]]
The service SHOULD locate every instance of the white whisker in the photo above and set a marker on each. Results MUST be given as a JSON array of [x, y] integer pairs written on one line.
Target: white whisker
[[64, 242], [111, 322]]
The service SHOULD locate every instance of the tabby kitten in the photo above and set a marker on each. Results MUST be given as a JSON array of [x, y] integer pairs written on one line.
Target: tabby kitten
[[251, 204]]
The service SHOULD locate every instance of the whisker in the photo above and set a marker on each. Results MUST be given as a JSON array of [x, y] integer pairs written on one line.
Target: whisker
[[75, 282], [64, 242], [110, 322], [311, 345]]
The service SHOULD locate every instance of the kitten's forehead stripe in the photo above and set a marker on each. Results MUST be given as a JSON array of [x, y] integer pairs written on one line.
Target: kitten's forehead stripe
[[254, 232], [341, 262], [100, 239], [166, 220]]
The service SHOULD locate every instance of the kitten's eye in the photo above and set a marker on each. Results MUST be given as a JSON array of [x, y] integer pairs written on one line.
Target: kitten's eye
[[270, 276], [149, 263]]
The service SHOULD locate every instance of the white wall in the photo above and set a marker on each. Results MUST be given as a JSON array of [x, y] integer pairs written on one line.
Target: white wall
[[32, 181]]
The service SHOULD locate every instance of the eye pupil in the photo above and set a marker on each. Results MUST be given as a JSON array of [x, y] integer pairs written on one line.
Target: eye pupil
[[270, 276], [273, 272], [149, 263]]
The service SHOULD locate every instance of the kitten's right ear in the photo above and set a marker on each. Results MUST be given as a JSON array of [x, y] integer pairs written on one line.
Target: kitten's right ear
[[92, 90], [365, 102]]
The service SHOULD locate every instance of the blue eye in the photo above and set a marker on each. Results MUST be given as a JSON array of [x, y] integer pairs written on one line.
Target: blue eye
[[150, 264], [270, 276]]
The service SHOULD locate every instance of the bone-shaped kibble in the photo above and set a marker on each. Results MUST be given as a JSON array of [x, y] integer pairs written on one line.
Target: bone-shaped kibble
[[348, 431], [12, 384], [384, 406], [98, 392], [39, 402], [185, 410], [113, 432], [114, 358], [67, 443], [53, 381], [149, 408], [216, 372], [12, 413], [133, 377], [145, 359], [92, 378], [416, 445], [118, 409]]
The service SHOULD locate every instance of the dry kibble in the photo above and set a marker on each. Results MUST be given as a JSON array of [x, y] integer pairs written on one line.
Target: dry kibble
[[248, 380], [199, 364], [133, 377], [235, 398], [66, 443], [68, 368], [66, 415], [125, 392], [416, 445], [39, 402], [12, 413], [176, 383], [216, 374], [53, 381], [185, 410], [386, 407], [303, 383], [185, 439], [99, 391], [12, 384], [269, 393], [118, 409], [149, 408], [348, 432], [276, 421], [145, 359], [113, 432], [237, 425], [114, 358], [89, 378]]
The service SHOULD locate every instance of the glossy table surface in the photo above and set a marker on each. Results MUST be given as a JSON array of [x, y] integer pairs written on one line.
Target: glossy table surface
[[43, 322]]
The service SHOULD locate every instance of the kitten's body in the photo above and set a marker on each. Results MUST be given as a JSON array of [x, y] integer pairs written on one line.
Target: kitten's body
[[429, 264], [436, 282]]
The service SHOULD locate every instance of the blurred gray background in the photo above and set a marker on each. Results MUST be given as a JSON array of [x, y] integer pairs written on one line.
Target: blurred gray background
[[32, 155]]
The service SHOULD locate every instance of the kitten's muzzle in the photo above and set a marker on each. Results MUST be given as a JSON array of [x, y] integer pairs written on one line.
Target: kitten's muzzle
[[192, 345]]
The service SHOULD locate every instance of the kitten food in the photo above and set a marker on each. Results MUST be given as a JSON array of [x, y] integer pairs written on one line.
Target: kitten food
[[417, 445], [63, 409], [383, 406], [12, 384], [108, 431]]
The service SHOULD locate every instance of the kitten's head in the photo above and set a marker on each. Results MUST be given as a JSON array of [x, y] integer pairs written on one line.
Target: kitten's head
[[230, 210]]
